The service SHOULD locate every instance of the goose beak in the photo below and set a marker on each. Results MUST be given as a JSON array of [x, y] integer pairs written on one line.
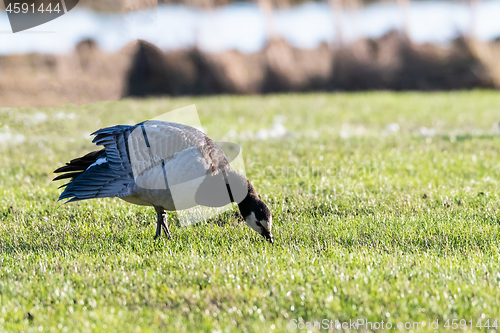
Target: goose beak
[[269, 238]]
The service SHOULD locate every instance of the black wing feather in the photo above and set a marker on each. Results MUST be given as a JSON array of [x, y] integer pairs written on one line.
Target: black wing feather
[[77, 166]]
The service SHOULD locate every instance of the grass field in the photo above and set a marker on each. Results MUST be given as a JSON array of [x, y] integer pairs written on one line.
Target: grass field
[[375, 217]]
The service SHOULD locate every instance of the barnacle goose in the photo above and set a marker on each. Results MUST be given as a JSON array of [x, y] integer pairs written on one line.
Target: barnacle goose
[[166, 165]]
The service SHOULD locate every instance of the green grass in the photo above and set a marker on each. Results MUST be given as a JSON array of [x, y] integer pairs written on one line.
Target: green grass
[[368, 223]]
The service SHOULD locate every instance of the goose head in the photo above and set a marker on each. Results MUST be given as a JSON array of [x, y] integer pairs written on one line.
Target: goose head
[[256, 213], [214, 190], [258, 217]]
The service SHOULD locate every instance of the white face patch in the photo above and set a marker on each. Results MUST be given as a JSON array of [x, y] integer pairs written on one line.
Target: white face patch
[[252, 222], [98, 162]]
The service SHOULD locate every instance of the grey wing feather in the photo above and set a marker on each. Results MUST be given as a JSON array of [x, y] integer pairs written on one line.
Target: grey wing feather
[[110, 179], [114, 140]]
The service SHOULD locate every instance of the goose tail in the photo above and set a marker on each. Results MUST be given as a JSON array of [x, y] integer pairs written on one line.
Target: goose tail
[[89, 177]]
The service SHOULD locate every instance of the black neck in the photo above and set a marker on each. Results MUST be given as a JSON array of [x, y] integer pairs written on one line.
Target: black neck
[[247, 206]]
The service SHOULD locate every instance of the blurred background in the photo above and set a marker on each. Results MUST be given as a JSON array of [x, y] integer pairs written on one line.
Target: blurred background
[[107, 50]]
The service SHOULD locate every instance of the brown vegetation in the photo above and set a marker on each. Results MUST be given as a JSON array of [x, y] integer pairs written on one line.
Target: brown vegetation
[[391, 62]]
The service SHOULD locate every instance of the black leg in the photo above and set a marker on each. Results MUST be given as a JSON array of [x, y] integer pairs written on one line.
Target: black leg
[[165, 226], [161, 223]]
